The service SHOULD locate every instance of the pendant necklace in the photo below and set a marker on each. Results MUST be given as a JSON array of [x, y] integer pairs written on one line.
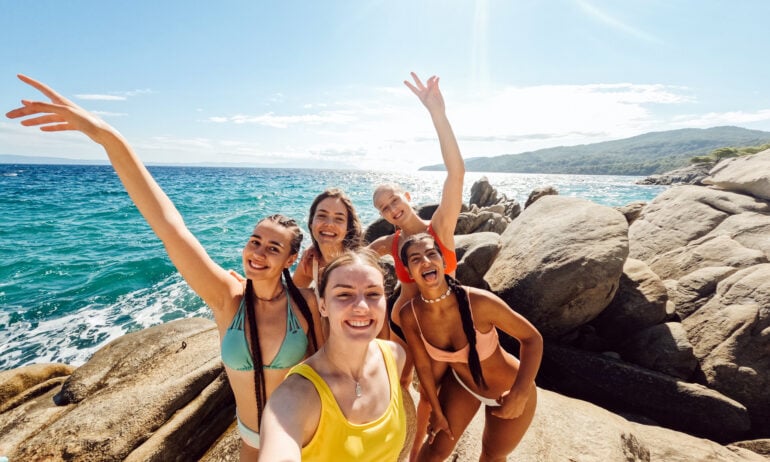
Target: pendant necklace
[[358, 390], [436, 300]]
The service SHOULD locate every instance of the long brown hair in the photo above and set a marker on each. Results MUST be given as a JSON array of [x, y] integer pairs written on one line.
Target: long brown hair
[[354, 232], [296, 296]]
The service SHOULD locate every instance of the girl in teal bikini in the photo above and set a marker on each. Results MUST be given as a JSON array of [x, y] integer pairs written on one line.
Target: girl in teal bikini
[[266, 323]]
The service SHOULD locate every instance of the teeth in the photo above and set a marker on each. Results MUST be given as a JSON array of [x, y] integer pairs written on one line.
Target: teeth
[[359, 323]]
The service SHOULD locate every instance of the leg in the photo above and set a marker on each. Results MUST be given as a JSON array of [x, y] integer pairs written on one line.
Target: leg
[[423, 416], [501, 436], [459, 407], [248, 453]]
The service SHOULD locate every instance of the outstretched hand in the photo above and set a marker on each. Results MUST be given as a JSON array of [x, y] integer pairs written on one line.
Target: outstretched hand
[[59, 115], [429, 93], [438, 423]]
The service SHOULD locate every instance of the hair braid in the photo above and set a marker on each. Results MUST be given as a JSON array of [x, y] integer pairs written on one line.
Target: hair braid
[[301, 303], [256, 352], [474, 363]]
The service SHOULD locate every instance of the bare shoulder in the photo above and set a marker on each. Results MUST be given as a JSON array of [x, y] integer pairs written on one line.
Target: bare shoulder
[[382, 245], [398, 353], [485, 304]]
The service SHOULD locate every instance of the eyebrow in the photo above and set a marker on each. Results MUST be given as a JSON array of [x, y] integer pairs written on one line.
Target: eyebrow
[[330, 213], [348, 286], [269, 242]]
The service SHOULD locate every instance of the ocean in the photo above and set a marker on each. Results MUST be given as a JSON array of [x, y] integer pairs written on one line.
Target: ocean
[[80, 266]]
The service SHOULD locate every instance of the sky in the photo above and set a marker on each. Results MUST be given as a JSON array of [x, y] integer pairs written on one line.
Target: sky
[[318, 84]]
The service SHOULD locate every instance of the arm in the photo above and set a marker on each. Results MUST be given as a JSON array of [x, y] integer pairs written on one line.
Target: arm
[[303, 275], [445, 217], [289, 421], [205, 277], [382, 245], [426, 371], [490, 310]]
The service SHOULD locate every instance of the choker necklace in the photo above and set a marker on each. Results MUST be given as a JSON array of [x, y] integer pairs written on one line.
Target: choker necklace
[[283, 288], [436, 300], [359, 392]]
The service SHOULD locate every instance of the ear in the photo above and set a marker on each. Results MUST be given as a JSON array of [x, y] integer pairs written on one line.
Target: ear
[[408, 196], [322, 308], [291, 261]]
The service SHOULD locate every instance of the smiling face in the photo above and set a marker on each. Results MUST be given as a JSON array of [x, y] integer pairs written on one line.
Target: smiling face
[[330, 222], [353, 299], [423, 260], [268, 251], [393, 204]]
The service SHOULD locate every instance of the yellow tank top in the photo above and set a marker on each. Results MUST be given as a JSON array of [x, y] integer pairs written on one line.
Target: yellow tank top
[[338, 440]]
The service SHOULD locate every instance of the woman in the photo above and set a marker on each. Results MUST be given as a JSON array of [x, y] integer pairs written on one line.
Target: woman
[[345, 401], [393, 204], [450, 327], [266, 327], [334, 227]]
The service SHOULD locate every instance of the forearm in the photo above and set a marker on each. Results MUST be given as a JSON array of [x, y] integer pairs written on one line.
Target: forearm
[[531, 354], [450, 150]]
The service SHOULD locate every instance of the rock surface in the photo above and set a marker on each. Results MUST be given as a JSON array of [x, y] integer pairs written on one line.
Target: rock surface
[[747, 174], [560, 262]]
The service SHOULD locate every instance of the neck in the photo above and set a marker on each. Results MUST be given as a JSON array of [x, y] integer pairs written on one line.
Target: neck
[[348, 358], [414, 225], [329, 252], [268, 289], [436, 296]]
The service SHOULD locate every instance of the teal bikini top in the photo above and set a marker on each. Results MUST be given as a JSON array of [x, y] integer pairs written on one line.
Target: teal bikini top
[[236, 353]]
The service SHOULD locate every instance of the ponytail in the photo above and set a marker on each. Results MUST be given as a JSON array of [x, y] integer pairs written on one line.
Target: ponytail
[[301, 303], [474, 363], [256, 352]]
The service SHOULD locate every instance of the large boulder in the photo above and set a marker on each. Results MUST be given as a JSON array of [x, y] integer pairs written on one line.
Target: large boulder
[[24, 383], [148, 395], [625, 388], [684, 214], [568, 429], [560, 262], [483, 194], [664, 348], [475, 254], [731, 338], [694, 290], [640, 302], [747, 174]]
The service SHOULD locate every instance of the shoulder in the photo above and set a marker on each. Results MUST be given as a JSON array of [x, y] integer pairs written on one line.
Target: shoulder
[[382, 244], [399, 355], [309, 296], [485, 304]]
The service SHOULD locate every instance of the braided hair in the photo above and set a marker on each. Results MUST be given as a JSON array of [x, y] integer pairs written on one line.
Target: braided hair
[[463, 305], [251, 313]]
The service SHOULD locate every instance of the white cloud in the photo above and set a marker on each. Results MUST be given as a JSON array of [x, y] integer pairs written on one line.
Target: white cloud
[[99, 97], [714, 119], [614, 23], [283, 121]]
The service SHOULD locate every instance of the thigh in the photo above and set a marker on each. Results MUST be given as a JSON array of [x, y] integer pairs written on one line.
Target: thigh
[[459, 407], [501, 436]]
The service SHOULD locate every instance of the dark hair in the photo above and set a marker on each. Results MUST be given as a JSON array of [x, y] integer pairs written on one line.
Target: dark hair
[[362, 255], [293, 292], [354, 233], [463, 305]]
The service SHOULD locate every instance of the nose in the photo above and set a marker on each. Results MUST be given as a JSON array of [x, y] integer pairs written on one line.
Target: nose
[[360, 303]]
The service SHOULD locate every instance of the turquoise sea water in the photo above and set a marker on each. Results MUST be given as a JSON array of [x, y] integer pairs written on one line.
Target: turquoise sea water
[[81, 267]]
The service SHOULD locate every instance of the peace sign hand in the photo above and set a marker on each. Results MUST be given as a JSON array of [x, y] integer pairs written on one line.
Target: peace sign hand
[[429, 94]]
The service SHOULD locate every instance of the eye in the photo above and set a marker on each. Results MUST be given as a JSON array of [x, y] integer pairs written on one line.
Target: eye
[[274, 249], [375, 294], [339, 220]]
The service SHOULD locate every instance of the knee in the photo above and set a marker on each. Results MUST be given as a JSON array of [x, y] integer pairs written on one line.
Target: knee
[[439, 450]]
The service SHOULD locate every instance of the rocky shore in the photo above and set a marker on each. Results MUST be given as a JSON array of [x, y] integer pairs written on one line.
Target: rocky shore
[[656, 319]]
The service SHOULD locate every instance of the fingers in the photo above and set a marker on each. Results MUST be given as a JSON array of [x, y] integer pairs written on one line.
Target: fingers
[[417, 81], [412, 87], [33, 107], [43, 88]]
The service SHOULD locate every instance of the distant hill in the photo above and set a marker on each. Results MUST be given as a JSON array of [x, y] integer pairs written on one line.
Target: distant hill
[[14, 159], [641, 155]]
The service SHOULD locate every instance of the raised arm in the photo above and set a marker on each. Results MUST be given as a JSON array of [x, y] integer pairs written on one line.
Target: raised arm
[[290, 419], [205, 277], [445, 217]]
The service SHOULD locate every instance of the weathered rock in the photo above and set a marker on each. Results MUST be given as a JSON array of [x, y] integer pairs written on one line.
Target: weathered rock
[[483, 194], [567, 429], [691, 174], [705, 252], [683, 214], [664, 348], [746, 174], [632, 211], [475, 254], [23, 383], [696, 288], [761, 446], [226, 448], [623, 387], [560, 262], [128, 391], [481, 221], [537, 193], [640, 302], [731, 338]]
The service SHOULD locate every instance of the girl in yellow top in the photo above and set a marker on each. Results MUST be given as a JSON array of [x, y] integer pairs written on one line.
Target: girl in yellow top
[[344, 403]]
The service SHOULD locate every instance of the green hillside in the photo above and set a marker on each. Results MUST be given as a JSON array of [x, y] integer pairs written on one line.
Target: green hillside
[[641, 155]]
